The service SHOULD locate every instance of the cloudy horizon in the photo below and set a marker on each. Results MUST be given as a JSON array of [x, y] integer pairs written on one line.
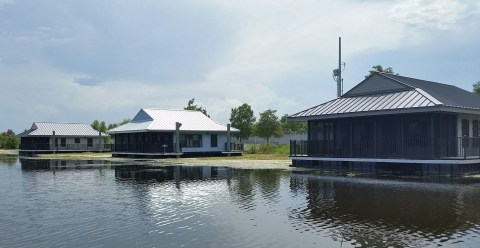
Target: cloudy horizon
[[77, 61]]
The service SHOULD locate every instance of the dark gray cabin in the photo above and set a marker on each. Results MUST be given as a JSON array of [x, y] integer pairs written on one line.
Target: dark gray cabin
[[392, 119], [60, 137]]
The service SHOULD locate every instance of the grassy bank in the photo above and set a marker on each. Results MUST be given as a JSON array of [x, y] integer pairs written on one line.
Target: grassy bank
[[252, 152], [9, 152], [85, 155]]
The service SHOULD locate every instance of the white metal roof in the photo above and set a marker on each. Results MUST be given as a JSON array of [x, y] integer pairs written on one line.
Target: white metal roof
[[61, 129], [155, 119]]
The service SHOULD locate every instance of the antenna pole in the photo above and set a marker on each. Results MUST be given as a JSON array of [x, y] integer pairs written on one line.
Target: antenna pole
[[339, 78]]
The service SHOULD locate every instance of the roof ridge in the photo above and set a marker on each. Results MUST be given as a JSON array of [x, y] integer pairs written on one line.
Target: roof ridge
[[55, 122], [172, 109], [429, 97], [423, 80]]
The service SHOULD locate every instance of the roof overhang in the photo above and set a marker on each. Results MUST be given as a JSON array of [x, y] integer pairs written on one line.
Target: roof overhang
[[183, 131], [447, 109]]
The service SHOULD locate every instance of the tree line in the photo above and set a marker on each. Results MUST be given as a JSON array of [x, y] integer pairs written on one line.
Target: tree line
[[268, 125], [8, 140], [101, 126]]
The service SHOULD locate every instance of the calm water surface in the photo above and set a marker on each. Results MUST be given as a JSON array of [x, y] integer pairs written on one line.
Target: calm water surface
[[54, 203]]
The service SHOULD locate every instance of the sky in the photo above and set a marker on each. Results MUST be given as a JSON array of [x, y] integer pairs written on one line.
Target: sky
[[78, 61]]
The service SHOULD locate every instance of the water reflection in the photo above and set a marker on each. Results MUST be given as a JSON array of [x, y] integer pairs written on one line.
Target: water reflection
[[8, 159], [167, 173], [376, 212], [59, 164], [67, 202]]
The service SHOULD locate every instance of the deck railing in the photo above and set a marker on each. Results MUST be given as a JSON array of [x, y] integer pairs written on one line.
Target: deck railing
[[161, 148], [234, 147], [143, 148], [410, 148], [65, 147]]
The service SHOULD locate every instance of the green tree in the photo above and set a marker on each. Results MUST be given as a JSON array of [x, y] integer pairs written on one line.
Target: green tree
[[8, 140], [292, 126], [103, 127], [379, 68], [115, 125], [243, 119], [476, 88], [268, 125], [95, 125], [192, 106]]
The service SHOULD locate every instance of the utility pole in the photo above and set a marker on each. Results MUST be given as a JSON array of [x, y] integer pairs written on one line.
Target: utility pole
[[339, 80], [337, 73]]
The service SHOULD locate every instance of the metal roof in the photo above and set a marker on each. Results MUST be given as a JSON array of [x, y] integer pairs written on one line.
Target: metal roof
[[155, 119], [61, 129], [449, 95], [417, 96]]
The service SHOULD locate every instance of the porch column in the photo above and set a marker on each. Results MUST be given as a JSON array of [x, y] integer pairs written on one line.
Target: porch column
[[228, 138], [351, 137], [54, 141], [375, 137], [177, 136], [432, 138], [100, 148], [402, 138]]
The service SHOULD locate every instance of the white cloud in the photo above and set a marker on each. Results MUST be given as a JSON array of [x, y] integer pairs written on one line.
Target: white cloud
[[440, 14], [85, 62]]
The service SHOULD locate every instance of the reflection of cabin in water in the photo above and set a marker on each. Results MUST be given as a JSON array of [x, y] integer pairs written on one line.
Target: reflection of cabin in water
[[433, 209], [162, 133], [51, 137], [393, 119]]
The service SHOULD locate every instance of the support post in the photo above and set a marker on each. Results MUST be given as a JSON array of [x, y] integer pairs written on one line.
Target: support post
[[177, 138], [54, 142], [432, 136], [228, 138], [374, 137], [402, 141], [100, 141], [351, 138]]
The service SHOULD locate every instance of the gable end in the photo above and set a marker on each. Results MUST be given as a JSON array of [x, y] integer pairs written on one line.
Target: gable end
[[375, 84], [142, 116]]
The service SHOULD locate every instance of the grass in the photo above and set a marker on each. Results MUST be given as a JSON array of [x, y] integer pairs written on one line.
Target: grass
[[9, 152], [252, 152], [85, 155]]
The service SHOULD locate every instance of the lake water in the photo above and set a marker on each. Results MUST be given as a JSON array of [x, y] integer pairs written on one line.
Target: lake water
[[54, 203]]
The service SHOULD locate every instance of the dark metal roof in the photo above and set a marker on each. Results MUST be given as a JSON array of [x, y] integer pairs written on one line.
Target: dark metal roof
[[449, 95], [370, 98]]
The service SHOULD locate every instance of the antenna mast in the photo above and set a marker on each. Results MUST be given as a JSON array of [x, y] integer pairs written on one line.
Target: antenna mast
[[337, 73]]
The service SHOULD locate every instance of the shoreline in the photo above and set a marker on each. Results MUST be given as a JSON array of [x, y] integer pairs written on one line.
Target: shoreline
[[248, 161]]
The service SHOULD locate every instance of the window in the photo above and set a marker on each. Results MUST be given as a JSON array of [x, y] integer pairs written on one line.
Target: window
[[63, 142], [192, 140], [77, 140], [213, 140], [89, 142]]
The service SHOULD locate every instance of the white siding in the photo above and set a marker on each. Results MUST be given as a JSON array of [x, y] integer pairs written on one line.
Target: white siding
[[221, 140]]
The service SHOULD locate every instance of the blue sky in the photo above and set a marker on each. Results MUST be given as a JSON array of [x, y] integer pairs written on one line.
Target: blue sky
[[77, 61]]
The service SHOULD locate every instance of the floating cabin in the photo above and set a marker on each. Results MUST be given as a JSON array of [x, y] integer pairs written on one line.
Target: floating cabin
[[157, 132], [395, 122], [57, 137]]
